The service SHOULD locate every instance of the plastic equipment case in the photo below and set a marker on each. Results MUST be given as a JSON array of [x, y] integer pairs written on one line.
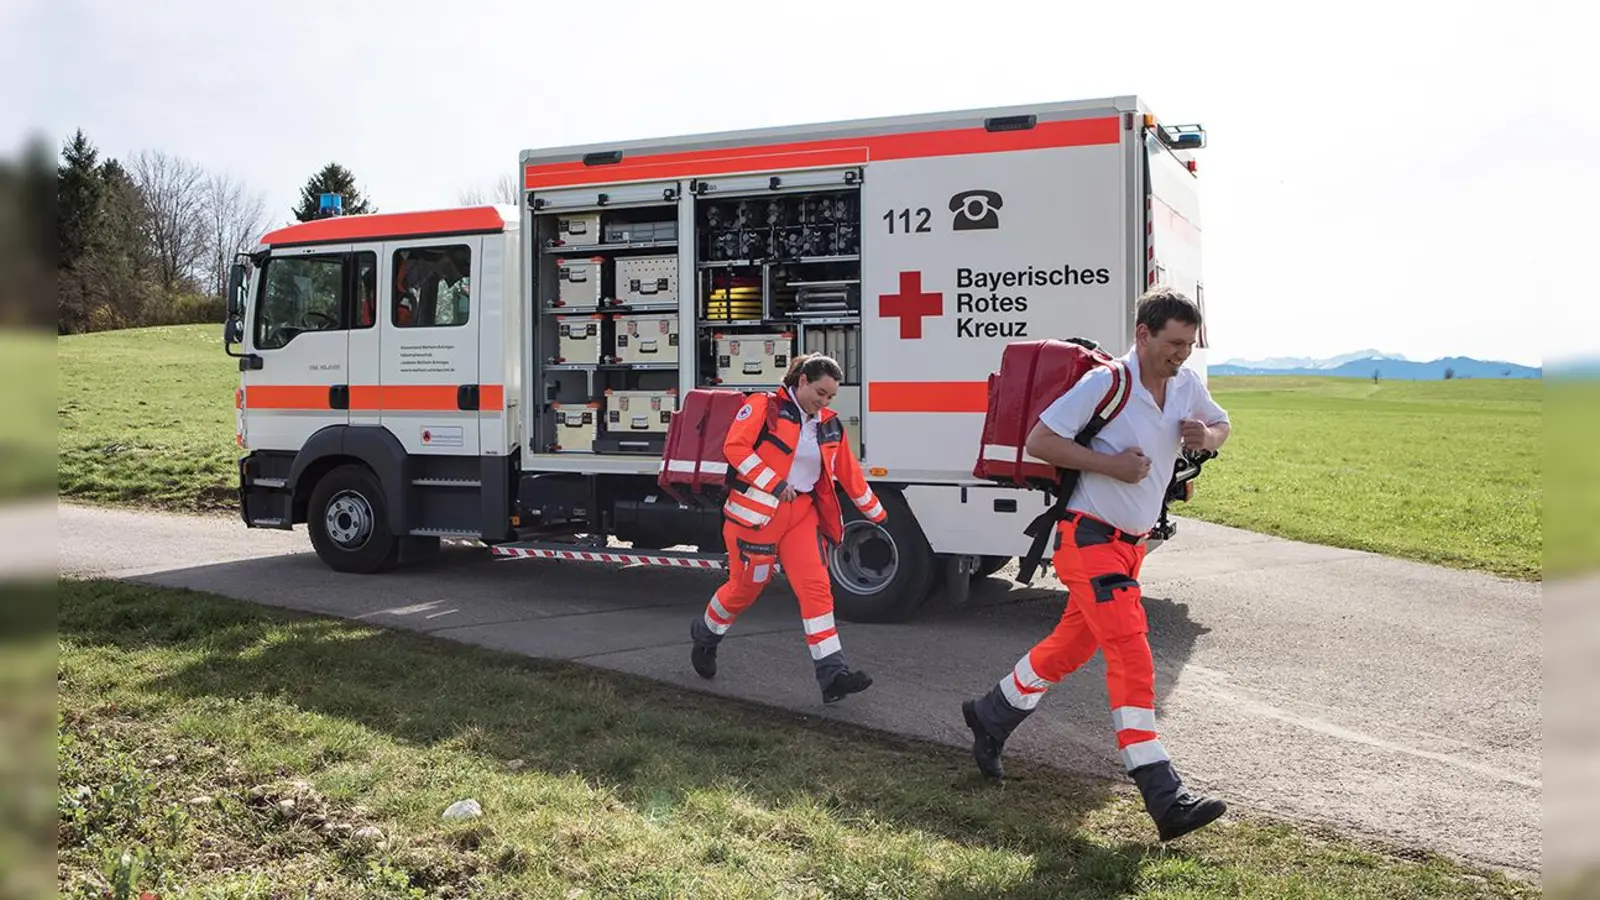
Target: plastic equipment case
[[753, 358], [577, 426], [647, 279], [646, 338], [635, 411], [578, 230], [640, 232], [579, 340], [580, 282]]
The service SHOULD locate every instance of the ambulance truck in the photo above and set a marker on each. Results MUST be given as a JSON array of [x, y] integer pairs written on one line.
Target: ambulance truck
[[506, 375]]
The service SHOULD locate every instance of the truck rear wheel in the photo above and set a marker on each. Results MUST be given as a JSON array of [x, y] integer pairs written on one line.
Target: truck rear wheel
[[349, 522], [881, 573]]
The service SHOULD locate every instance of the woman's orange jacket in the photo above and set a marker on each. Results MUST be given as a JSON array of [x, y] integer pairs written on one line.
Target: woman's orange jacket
[[760, 448]]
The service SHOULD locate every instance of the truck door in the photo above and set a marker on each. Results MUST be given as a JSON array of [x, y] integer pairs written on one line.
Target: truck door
[[296, 379], [366, 336], [429, 386]]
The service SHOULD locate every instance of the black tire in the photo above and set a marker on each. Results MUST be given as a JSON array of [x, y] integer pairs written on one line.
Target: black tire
[[881, 573], [349, 522], [988, 565]]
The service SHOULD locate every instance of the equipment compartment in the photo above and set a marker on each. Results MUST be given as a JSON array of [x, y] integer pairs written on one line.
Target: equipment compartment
[[642, 338], [578, 340], [647, 279], [579, 229], [577, 426], [636, 411], [579, 282], [842, 342], [753, 358], [641, 232]]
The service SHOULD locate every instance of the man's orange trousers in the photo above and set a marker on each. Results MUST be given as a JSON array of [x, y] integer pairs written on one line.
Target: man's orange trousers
[[1105, 611]]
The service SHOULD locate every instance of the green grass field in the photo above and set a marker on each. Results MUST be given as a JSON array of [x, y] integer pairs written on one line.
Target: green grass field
[[147, 418], [209, 748], [1444, 471]]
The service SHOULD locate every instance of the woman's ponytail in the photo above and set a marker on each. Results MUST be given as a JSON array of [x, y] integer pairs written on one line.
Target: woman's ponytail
[[813, 366]]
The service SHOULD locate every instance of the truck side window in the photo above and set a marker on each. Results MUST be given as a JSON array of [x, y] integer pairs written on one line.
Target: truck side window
[[432, 287], [299, 294], [366, 310]]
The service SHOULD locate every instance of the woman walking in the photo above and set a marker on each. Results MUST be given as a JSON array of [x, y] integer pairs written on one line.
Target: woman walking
[[786, 450]]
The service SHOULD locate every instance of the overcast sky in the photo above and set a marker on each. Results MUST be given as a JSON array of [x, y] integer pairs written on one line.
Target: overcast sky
[[1379, 175]]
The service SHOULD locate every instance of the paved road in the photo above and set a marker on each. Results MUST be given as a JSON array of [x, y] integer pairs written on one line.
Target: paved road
[[1381, 697]]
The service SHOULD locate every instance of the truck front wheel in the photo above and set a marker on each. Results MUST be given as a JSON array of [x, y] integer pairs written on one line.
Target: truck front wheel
[[881, 573], [349, 522]]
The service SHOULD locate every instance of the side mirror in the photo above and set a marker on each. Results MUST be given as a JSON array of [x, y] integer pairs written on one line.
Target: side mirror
[[236, 280]]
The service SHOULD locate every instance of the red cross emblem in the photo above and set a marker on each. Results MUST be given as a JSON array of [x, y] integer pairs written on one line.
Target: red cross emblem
[[910, 305]]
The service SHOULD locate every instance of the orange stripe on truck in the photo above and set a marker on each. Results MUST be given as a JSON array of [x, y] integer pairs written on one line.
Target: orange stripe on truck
[[839, 151], [928, 396], [370, 397], [285, 396]]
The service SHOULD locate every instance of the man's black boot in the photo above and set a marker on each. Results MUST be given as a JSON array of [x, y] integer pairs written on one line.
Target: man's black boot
[[704, 655], [992, 719], [844, 684], [1175, 809]]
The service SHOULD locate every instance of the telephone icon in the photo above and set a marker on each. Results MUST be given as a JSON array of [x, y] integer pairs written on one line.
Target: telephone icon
[[975, 210]]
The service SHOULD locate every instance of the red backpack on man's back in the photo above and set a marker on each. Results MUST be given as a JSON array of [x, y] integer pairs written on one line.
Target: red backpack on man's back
[[1033, 374]]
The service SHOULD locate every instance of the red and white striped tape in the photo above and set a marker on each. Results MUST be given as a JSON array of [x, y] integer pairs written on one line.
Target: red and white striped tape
[[598, 556]]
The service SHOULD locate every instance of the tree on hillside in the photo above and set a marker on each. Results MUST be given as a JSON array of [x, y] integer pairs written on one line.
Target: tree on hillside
[[174, 191], [125, 278], [332, 179], [79, 190], [1449, 373], [138, 244], [235, 218]]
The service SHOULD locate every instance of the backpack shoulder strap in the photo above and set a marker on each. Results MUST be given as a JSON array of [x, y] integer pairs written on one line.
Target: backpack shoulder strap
[[1115, 399]]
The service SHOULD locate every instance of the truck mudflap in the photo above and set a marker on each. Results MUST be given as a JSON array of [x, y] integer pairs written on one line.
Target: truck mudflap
[[547, 550]]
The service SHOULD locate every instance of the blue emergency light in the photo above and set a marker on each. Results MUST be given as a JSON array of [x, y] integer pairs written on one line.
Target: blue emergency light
[[330, 205]]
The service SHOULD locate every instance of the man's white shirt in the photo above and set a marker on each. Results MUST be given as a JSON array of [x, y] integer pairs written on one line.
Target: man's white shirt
[[1158, 432]]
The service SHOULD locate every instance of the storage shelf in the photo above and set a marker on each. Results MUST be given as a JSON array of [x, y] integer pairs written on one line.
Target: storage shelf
[[827, 319], [625, 367], [744, 323], [773, 261], [578, 251], [662, 306]]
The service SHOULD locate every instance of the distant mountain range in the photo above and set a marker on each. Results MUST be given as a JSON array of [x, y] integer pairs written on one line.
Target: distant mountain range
[[1363, 363]]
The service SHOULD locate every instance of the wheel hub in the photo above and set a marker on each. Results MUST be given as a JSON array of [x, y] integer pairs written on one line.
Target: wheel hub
[[866, 560], [349, 519]]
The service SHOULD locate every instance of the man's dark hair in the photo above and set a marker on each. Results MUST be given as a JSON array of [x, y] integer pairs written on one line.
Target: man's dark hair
[[1160, 305]]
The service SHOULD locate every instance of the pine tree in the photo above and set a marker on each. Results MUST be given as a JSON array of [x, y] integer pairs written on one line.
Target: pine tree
[[333, 179], [79, 190]]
